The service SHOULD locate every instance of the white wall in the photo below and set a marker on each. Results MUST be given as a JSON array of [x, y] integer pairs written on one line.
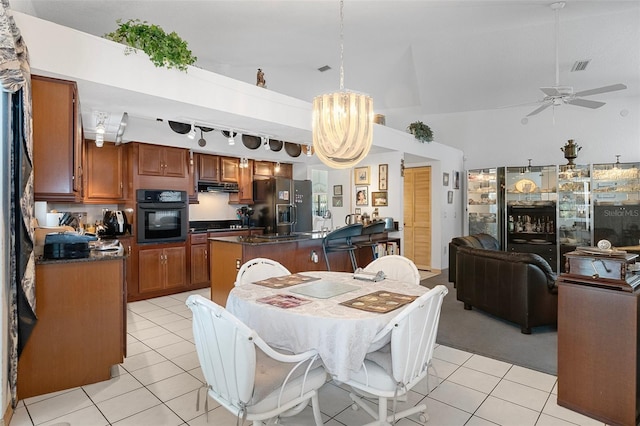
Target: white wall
[[497, 137]]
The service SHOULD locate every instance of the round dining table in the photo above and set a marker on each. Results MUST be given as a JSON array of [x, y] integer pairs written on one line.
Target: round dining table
[[342, 335]]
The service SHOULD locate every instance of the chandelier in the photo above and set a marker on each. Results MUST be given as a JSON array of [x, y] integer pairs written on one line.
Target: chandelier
[[342, 121]]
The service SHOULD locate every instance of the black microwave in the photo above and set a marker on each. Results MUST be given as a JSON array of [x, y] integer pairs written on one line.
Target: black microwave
[[162, 216]]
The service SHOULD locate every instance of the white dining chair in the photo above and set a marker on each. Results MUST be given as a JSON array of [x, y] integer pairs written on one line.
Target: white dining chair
[[258, 269], [245, 375], [392, 371], [395, 267]]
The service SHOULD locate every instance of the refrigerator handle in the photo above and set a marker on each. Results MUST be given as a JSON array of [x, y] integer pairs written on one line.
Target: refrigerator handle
[[294, 214]]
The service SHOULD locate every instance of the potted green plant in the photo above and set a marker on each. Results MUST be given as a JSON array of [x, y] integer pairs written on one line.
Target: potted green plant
[[164, 50], [421, 131]]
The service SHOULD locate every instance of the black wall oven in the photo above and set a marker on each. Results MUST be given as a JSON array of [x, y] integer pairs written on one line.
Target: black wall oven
[[161, 216]]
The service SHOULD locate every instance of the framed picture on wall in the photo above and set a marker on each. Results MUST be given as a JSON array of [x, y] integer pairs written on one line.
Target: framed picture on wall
[[361, 175], [337, 189], [445, 179], [362, 195], [336, 201], [357, 210], [450, 197], [456, 180], [379, 199], [383, 176]]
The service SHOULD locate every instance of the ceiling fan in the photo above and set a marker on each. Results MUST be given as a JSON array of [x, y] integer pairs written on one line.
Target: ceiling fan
[[558, 95]]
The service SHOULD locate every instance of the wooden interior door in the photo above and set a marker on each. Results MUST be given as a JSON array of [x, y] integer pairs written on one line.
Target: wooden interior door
[[417, 216]]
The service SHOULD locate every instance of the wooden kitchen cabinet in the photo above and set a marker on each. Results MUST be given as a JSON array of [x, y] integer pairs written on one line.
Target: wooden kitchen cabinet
[[229, 169], [104, 173], [267, 169], [263, 168], [245, 186], [286, 171], [199, 260], [57, 140], [208, 168], [81, 329], [156, 160], [161, 266]]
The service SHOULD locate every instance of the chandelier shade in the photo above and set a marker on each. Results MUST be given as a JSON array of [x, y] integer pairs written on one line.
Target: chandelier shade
[[342, 122], [342, 128]]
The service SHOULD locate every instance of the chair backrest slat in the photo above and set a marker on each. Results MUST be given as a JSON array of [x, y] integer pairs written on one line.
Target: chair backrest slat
[[395, 267], [258, 269], [223, 343], [413, 336]]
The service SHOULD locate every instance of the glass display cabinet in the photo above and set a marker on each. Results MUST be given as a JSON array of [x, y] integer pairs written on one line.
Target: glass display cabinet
[[484, 202], [616, 204], [531, 195], [574, 209]]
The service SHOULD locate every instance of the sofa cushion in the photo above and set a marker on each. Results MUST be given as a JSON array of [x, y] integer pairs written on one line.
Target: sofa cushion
[[529, 258], [484, 241]]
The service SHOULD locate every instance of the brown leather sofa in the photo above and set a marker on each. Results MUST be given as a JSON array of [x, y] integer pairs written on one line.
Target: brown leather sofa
[[484, 241], [517, 287]]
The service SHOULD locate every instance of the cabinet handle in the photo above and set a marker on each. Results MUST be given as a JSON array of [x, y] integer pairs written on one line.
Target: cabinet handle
[[206, 254]]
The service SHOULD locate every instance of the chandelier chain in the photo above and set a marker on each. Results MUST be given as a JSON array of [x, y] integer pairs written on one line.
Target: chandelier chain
[[341, 45]]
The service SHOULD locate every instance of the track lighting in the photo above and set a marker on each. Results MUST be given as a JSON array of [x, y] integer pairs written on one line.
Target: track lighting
[[277, 169], [309, 151], [265, 143], [192, 133], [99, 140], [231, 140]]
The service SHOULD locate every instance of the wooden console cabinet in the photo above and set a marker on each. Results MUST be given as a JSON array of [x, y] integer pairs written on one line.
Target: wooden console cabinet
[[81, 327], [598, 351]]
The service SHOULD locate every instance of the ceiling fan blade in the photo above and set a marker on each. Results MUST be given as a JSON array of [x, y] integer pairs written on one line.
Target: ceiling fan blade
[[539, 109], [550, 91], [585, 103], [604, 89]]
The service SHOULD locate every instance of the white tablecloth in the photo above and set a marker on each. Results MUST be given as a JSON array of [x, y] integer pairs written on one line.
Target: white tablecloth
[[341, 335]]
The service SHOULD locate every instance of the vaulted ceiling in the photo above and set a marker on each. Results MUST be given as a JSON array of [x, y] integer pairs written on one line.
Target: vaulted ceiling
[[413, 57]]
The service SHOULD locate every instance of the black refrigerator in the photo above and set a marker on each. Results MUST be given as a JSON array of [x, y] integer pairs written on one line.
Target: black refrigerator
[[283, 206]]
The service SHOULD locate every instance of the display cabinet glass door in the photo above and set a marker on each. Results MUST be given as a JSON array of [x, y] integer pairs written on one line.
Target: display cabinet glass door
[[484, 202], [531, 196], [574, 209], [616, 209]]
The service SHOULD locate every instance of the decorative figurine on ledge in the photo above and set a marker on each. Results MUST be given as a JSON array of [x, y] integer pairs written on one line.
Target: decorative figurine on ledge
[[261, 81], [571, 150]]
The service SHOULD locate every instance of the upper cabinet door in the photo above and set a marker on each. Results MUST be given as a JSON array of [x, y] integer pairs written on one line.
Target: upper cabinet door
[[175, 162], [208, 168], [104, 173], [155, 160], [57, 161], [229, 169]]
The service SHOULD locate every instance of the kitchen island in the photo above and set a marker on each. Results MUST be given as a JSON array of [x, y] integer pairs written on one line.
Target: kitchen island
[[297, 252], [81, 329]]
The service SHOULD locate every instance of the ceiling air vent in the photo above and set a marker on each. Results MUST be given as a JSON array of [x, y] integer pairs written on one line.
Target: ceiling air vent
[[324, 68], [580, 65]]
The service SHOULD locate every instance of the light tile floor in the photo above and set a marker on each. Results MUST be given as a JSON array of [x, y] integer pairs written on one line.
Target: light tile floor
[[158, 382]]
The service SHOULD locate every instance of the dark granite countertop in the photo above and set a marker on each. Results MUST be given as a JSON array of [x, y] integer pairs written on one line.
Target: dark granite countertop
[[269, 238], [94, 256]]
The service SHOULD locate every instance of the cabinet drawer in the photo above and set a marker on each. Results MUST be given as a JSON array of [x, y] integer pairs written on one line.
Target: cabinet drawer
[[199, 238]]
